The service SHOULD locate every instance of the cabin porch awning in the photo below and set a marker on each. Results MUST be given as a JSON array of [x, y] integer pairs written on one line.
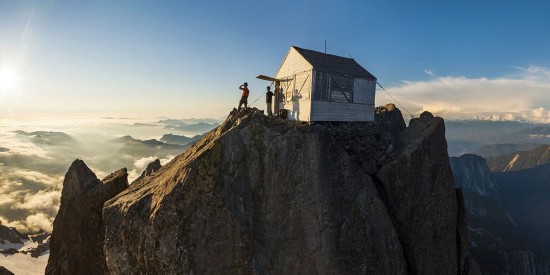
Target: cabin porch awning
[[268, 78]]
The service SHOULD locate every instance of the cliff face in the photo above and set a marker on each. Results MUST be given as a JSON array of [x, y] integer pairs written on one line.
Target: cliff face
[[499, 244], [422, 199], [76, 244], [472, 173], [263, 195]]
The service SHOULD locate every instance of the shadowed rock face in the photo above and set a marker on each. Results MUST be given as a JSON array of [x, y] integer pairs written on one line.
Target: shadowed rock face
[[78, 233], [389, 120], [471, 172], [263, 195], [421, 198], [5, 271], [11, 234], [500, 243]]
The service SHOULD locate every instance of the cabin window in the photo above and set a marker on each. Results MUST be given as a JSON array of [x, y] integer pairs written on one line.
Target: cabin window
[[341, 88], [321, 86], [330, 87]]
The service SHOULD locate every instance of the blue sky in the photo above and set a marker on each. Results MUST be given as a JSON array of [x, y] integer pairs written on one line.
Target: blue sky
[[187, 58]]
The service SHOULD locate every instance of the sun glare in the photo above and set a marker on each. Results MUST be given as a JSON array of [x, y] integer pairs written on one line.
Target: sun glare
[[8, 79]]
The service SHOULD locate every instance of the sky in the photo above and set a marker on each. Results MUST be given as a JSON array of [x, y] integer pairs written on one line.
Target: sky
[[144, 58]]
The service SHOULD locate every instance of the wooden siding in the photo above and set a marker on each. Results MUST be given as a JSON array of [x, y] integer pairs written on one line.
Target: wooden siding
[[297, 110], [364, 91], [339, 111], [371, 92], [299, 89], [303, 83], [293, 64]]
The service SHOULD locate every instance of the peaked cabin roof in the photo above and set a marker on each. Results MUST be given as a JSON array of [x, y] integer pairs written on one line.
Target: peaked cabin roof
[[334, 64]]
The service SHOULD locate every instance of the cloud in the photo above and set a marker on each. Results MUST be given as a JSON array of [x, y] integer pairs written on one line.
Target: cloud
[[29, 200], [429, 72], [525, 96], [40, 221], [46, 201], [32, 172], [38, 177], [32, 223], [534, 72]]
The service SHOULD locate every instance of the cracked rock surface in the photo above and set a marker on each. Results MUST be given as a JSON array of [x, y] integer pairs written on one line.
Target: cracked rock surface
[[260, 195], [270, 196]]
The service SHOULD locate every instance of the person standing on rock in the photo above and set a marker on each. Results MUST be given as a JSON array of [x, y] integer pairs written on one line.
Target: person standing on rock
[[244, 97], [268, 97]]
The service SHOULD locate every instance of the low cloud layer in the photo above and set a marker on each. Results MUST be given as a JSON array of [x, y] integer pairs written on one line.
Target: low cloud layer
[[28, 199], [32, 167], [524, 95]]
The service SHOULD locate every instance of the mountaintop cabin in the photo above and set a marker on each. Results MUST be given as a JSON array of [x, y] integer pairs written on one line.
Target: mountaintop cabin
[[315, 86]]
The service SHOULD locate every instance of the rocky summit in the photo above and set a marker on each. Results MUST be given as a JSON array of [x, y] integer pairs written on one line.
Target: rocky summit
[[261, 195]]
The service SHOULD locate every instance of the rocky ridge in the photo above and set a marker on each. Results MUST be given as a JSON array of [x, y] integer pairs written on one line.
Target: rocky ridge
[[264, 195]]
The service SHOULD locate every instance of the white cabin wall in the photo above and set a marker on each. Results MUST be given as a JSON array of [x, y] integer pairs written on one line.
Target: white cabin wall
[[295, 67], [293, 64], [297, 110], [340, 111], [299, 71]]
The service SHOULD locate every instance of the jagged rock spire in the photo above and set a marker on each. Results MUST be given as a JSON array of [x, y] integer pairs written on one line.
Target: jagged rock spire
[[76, 245]]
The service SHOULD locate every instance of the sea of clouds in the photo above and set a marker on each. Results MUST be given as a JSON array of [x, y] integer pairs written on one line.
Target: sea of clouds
[[32, 166]]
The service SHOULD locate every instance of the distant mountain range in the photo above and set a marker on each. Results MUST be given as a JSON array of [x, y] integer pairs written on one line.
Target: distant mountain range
[[47, 137], [132, 146], [194, 128], [497, 150], [181, 140], [190, 126], [189, 121], [469, 136], [508, 221], [520, 159]]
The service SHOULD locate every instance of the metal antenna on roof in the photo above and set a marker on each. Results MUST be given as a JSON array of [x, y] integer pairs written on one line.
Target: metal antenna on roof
[[325, 47]]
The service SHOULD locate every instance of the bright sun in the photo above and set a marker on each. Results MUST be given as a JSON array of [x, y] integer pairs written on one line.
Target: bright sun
[[8, 79]]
